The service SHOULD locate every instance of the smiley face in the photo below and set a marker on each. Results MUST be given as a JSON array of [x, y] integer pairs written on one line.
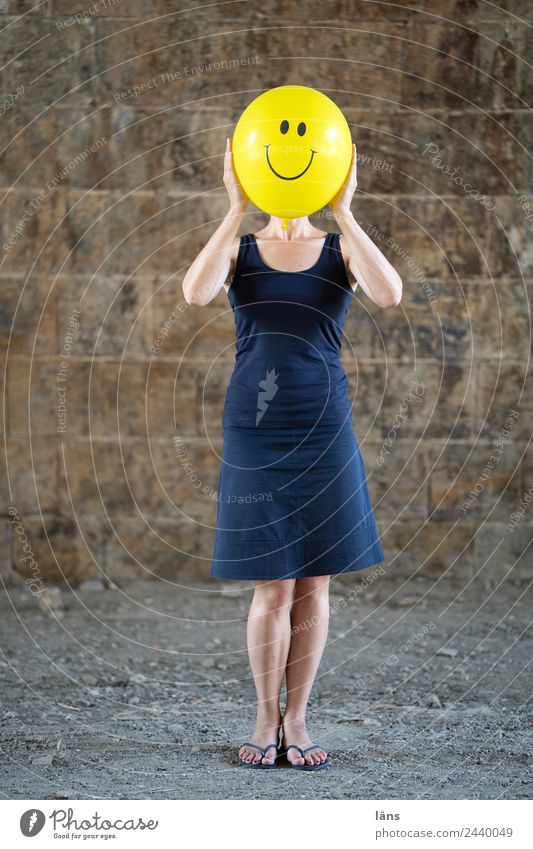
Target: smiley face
[[284, 129], [292, 150]]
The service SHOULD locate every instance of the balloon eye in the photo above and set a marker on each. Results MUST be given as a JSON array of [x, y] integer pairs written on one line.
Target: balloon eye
[[284, 127], [301, 128]]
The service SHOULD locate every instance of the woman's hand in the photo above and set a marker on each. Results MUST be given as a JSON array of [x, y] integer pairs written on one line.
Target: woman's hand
[[342, 201], [237, 199]]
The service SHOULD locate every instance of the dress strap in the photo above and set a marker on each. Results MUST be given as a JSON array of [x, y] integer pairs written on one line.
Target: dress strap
[[336, 257], [334, 242], [243, 260], [331, 250]]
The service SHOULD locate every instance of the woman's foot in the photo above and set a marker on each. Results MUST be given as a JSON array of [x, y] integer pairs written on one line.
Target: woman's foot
[[295, 733], [266, 732]]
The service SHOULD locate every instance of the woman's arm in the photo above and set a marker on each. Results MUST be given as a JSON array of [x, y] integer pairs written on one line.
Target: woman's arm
[[216, 261], [374, 273]]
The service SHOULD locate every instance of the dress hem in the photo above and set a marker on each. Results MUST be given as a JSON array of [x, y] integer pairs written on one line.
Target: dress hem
[[318, 557], [302, 572]]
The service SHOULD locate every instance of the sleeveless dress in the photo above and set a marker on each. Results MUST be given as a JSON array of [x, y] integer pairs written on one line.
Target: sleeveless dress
[[293, 499]]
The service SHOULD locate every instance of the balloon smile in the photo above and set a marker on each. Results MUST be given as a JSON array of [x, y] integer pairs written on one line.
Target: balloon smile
[[297, 176]]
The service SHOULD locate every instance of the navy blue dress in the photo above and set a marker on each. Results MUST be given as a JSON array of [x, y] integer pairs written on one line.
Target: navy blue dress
[[293, 499]]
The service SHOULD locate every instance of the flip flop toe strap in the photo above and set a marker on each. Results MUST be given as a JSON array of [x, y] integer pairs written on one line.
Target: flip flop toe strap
[[259, 749], [303, 752], [294, 746], [316, 746]]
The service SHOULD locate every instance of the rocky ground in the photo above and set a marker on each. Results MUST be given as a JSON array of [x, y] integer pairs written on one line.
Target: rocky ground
[[144, 692]]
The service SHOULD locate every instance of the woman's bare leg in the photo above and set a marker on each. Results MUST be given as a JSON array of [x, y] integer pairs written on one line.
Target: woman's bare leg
[[309, 629], [269, 633]]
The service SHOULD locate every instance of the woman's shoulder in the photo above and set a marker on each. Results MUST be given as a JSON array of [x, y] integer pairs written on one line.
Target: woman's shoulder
[[235, 246]]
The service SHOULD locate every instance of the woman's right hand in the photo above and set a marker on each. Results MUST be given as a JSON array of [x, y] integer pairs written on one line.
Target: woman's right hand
[[237, 199]]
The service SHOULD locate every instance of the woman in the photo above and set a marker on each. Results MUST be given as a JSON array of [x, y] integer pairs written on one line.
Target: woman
[[293, 503]]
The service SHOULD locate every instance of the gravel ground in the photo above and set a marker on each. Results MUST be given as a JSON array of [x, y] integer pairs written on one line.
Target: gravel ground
[[144, 692]]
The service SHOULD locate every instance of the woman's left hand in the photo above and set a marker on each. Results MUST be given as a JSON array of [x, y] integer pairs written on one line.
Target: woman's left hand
[[343, 199]]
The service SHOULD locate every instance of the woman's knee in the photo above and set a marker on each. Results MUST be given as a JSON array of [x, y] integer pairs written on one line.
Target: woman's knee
[[274, 595]]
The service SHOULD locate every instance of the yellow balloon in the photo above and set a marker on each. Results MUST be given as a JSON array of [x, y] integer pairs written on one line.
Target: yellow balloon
[[292, 151]]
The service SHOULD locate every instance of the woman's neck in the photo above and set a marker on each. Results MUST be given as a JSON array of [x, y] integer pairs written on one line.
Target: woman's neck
[[297, 229]]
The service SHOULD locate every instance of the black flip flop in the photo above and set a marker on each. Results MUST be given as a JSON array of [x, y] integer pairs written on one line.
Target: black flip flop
[[263, 754], [306, 767]]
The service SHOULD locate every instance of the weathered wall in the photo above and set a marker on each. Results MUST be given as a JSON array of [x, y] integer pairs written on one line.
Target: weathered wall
[[107, 195]]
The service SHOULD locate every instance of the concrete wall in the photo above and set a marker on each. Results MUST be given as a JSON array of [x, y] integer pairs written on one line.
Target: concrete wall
[[107, 195]]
